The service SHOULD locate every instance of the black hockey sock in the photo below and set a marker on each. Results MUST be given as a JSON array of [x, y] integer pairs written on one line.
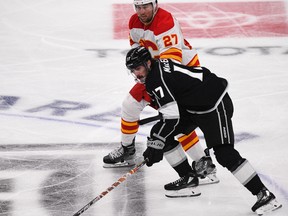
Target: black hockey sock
[[247, 176], [255, 185], [228, 157], [183, 168]]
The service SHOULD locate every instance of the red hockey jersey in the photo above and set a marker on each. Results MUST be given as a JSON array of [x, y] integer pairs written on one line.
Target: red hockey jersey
[[163, 37]]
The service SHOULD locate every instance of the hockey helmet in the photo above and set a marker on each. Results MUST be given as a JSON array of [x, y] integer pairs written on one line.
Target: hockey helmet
[[136, 57], [143, 2]]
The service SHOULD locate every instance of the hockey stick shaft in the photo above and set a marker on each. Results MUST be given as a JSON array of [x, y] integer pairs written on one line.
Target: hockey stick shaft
[[114, 185], [149, 119]]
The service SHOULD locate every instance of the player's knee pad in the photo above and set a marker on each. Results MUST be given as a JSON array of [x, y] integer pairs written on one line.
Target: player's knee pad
[[228, 157]]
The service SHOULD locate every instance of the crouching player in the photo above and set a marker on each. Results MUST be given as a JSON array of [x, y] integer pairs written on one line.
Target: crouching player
[[193, 96]]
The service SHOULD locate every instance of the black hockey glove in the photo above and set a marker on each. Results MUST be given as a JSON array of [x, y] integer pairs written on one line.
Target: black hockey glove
[[154, 151]]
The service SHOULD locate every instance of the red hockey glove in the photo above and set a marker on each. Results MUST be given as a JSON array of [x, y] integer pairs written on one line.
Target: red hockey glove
[[154, 151]]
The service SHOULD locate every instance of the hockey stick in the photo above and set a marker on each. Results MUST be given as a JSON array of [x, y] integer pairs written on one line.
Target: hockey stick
[[149, 119], [114, 185]]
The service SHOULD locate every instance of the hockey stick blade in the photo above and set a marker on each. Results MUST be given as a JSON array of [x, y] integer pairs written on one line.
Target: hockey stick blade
[[114, 185]]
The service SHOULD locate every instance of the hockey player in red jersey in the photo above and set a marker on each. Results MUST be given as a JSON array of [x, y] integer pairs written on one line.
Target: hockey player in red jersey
[[195, 97], [157, 30]]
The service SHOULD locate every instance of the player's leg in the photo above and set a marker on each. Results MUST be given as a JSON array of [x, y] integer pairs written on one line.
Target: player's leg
[[185, 185], [218, 131], [132, 106], [240, 167], [191, 145]]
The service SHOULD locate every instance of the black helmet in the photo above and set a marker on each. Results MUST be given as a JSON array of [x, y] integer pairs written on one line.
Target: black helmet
[[136, 57]]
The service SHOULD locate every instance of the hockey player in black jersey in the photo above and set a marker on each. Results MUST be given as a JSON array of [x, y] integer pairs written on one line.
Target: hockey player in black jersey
[[190, 97]]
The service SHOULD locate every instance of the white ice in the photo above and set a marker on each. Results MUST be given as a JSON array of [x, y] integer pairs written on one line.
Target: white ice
[[51, 163]]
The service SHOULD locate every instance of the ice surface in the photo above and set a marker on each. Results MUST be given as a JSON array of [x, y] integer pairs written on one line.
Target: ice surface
[[62, 54]]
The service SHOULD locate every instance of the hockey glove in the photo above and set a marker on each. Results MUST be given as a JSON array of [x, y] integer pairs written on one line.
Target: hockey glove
[[154, 151]]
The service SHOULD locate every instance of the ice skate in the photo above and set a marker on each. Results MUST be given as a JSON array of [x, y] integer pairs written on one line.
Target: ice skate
[[122, 156], [266, 202], [205, 170], [185, 186]]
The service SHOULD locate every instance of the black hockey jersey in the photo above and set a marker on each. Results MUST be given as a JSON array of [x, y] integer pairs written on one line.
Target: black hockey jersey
[[175, 87]]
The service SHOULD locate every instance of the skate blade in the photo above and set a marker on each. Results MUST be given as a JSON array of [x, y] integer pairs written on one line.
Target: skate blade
[[209, 179], [269, 207], [119, 164], [186, 192]]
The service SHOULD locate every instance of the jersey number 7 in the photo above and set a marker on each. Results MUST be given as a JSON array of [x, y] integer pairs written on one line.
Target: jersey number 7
[[160, 90]]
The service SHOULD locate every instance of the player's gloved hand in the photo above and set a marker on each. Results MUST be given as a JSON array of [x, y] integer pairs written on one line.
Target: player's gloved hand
[[154, 151]]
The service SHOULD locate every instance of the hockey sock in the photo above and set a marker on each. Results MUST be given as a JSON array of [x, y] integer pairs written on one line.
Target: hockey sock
[[129, 127], [192, 146], [183, 168], [129, 130], [177, 159], [230, 158], [248, 177]]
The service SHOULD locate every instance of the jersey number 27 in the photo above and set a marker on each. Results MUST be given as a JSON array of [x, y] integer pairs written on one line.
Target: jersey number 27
[[170, 40]]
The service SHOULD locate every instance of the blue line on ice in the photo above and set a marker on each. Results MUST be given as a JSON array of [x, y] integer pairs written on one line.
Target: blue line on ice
[[65, 121]]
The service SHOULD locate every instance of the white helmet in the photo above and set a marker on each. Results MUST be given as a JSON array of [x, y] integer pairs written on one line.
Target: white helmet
[[143, 2]]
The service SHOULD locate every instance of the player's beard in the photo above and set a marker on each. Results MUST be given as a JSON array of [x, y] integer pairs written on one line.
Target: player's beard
[[146, 20]]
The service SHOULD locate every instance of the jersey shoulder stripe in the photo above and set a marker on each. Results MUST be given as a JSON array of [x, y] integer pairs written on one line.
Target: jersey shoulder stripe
[[172, 53]]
